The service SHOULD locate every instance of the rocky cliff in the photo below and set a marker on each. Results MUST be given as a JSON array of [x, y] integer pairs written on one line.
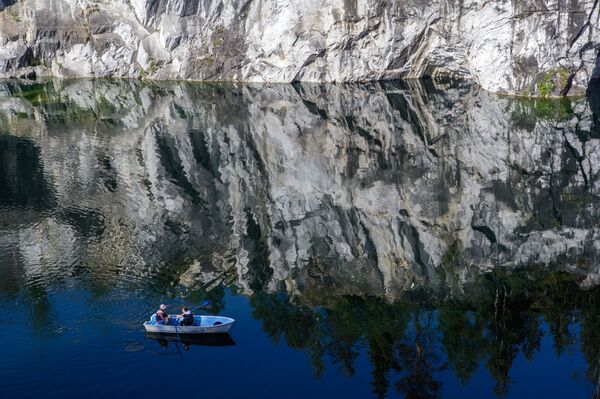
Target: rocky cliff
[[371, 189], [522, 47]]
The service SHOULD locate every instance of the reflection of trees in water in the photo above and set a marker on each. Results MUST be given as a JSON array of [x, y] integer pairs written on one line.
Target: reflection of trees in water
[[408, 342]]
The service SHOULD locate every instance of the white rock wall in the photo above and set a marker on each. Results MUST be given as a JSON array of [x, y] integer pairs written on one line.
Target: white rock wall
[[527, 47]]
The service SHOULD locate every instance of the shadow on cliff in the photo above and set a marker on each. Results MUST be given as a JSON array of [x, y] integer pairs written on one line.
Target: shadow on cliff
[[593, 96]]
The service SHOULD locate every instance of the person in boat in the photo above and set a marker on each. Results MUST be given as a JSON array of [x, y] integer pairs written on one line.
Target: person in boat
[[161, 315], [187, 318]]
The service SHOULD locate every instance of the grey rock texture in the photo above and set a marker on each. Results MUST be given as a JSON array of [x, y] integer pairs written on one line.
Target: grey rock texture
[[344, 189], [521, 47]]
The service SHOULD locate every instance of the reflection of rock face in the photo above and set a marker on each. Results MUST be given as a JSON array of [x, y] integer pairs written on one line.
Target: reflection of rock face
[[522, 47], [351, 189]]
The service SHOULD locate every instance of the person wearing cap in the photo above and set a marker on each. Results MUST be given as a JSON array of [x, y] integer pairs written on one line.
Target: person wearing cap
[[161, 315]]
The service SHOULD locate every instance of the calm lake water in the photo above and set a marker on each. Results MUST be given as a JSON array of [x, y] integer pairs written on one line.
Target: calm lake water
[[413, 240]]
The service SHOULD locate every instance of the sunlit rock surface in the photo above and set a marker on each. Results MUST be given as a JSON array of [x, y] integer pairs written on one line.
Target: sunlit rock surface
[[312, 189], [524, 47]]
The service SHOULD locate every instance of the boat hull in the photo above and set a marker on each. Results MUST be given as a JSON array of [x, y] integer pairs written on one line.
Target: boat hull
[[202, 325]]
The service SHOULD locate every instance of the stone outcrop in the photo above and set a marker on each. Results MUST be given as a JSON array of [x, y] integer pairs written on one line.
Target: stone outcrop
[[521, 47], [372, 189]]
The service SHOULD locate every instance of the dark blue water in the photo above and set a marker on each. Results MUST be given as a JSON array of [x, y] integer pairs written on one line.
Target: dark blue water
[[385, 240], [94, 345]]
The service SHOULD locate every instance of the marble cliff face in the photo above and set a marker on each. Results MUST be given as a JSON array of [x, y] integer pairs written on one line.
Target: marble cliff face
[[522, 47], [349, 189]]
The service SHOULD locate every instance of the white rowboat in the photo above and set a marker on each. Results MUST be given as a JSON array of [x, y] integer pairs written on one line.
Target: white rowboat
[[202, 325]]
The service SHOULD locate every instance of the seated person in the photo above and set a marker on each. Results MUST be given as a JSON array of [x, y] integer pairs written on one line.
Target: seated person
[[187, 318], [161, 315]]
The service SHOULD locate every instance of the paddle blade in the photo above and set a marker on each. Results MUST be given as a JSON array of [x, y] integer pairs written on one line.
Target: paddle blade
[[202, 305], [205, 304]]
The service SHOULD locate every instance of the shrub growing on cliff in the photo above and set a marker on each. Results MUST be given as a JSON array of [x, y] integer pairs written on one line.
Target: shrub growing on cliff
[[553, 80]]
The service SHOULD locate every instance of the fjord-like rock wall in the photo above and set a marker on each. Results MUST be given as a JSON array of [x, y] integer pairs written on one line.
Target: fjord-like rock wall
[[358, 189], [523, 47]]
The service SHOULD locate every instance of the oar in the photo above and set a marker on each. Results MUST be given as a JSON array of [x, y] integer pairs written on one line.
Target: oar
[[178, 339], [177, 332], [202, 305]]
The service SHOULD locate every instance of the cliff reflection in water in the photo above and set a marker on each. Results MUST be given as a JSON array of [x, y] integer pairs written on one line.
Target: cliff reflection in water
[[385, 206]]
